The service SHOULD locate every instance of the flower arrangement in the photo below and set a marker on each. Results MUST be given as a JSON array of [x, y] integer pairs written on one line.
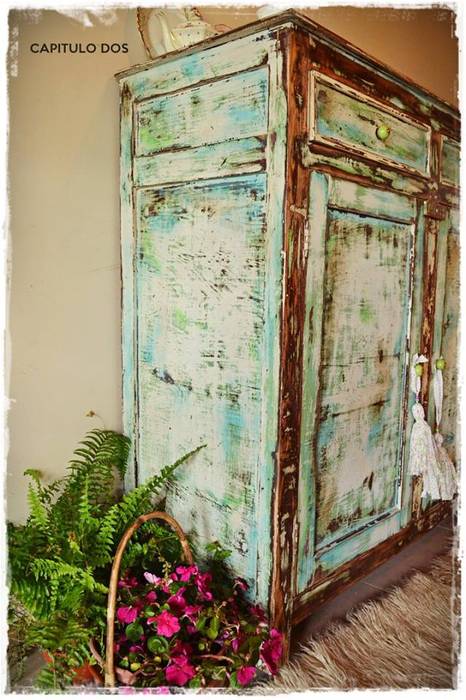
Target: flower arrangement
[[191, 628]]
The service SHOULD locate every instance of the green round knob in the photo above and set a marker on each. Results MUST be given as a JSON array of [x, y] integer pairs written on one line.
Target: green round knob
[[419, 369], [382, 132], [440, 363], [135, 666]]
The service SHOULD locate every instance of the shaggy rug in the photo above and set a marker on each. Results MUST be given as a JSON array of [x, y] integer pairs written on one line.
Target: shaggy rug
[[406, 639]]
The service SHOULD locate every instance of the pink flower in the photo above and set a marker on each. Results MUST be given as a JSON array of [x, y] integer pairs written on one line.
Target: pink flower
[[151, 596], [177, 602], [202, 583], [161, 690], [127, 614], [271, 651], [185, 572], [191, 612], [128, 582], [241, 583], [151, 578], [181, 648], [258, 612], [173, 576], [245, 675], [167, 624], [237, 641], [179, 671]]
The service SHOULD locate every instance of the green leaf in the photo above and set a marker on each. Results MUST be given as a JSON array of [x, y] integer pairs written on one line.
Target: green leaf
[[134, 631], [157, 645], [214, 627], [195, 682], [201, 622]]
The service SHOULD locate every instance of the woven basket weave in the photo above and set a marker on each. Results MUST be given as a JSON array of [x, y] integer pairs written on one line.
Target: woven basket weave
[[109, 665]]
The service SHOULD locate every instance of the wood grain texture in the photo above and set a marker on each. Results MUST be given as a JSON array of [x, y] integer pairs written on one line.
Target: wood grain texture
[[233, 157], [295, 252]]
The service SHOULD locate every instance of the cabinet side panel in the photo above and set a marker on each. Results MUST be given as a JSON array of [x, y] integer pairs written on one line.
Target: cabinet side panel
[[203, 282]]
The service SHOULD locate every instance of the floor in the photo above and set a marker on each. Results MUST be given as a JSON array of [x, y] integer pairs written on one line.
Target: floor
[[416, 555]]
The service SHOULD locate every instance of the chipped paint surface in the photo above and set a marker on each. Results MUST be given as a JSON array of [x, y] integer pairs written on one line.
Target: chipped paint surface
[[199, 361], [232, 107], [241, 238], [446, 328], [343, 117], [450, 162], [357, 326], [208, 170]]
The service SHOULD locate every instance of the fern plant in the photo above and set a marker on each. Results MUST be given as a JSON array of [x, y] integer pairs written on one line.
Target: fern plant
[[60, 560]]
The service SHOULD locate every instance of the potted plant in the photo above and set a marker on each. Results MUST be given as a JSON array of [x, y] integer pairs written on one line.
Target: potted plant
[[60, 559]]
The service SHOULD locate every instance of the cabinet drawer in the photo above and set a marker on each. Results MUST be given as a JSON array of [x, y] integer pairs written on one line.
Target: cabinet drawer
[[450, 162], [343, 117]]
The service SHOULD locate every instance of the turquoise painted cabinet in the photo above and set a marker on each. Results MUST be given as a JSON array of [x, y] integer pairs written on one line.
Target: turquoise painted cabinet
[[284, 202]]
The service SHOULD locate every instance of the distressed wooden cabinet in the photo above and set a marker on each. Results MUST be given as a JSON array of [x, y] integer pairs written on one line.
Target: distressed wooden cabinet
[[288, 241]]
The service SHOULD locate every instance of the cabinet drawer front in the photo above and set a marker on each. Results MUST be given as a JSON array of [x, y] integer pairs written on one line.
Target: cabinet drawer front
[[344, 117], [450, 163], [222, 110]]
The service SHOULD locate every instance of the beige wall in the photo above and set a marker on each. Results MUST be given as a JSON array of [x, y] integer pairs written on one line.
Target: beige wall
[[64, 313]]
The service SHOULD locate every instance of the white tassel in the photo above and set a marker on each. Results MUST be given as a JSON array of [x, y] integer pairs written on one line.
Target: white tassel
[[447, 473], [423, 454]]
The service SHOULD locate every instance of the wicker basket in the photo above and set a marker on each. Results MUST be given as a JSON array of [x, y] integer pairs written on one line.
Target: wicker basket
[[109, 664]]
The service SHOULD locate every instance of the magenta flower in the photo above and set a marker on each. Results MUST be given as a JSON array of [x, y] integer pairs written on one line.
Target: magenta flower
[[258, 612], [127, 614], [237, 641], [271, 651], [185, 572], [151, 596], [152, 578], [245, 674], [177, 602], [128, 582], [241, 583], [167, 624], [202, 583], [179, 671], [191, 612]]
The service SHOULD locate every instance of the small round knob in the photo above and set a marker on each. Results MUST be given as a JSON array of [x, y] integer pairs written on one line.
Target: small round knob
[[418, 369], [440, 363], [382, 132]]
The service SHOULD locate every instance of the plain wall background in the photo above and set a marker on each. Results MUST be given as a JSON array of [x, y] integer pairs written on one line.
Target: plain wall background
[[63, 335]]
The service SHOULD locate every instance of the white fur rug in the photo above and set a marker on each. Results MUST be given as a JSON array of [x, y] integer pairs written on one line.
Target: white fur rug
[[406, 639]]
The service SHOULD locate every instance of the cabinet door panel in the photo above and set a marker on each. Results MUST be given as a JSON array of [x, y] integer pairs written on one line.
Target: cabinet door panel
[[446, 327], [358, 320], [200, 274]]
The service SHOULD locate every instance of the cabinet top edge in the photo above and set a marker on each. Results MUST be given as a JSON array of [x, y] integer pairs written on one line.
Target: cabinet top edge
[[291, 19]]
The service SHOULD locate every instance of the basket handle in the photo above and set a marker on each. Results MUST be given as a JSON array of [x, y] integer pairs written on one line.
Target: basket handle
[[112, 591]]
